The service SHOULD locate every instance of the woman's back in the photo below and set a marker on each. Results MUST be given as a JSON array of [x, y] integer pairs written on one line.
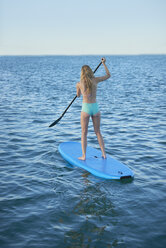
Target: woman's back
[[89, 97]]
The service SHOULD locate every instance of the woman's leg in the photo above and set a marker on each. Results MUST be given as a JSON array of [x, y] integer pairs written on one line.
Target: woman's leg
[[96, 125], [84, 126]]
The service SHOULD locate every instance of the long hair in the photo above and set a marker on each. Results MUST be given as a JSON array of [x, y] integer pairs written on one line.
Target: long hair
[[87, 76]]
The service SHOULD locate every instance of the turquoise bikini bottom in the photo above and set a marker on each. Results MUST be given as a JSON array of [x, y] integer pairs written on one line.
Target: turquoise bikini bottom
[[90, 108]]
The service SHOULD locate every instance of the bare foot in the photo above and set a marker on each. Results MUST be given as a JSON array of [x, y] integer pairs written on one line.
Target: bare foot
[[82, 158], [104, 156]]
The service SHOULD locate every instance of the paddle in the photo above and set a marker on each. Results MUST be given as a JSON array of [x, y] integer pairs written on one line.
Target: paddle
[[55, 122]]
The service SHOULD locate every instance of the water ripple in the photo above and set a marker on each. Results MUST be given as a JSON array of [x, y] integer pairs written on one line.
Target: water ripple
[[46, 202]]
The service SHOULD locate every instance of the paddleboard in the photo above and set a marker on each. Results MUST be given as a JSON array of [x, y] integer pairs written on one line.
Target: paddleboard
[[108, 168]]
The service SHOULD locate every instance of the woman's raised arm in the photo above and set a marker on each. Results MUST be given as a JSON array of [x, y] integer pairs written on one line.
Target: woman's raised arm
[[108, 74]]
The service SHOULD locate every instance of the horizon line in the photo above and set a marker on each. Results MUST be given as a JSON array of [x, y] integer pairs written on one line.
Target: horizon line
[[136, 54]]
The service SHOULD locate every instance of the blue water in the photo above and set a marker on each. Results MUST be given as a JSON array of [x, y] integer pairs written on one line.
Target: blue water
[[46, 203]]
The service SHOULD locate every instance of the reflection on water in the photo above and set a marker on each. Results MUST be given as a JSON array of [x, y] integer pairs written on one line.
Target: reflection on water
[[91, 214]]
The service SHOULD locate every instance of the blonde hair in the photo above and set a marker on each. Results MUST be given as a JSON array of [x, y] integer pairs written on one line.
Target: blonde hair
[[86, 77]]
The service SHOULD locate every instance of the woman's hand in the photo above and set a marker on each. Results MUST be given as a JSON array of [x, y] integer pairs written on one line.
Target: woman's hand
[[103, 60]]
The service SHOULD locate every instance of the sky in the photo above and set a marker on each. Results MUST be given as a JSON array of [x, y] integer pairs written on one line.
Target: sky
[[81, 27]]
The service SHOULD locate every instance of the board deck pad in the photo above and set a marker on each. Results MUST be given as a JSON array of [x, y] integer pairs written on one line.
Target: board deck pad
[[108, 168]]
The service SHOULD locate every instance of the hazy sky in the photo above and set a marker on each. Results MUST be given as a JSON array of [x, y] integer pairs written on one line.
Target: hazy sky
[[82, 27]]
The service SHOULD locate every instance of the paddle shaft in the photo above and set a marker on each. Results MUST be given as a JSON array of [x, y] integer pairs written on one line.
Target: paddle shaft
[[55, 122]]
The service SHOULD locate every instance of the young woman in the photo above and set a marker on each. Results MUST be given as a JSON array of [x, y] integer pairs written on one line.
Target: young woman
[[88, 88]]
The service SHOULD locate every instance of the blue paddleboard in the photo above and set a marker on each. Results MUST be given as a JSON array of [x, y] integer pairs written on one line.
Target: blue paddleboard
[[108, 168]]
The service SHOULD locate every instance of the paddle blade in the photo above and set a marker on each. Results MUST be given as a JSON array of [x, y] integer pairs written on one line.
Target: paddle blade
[[55, 122]]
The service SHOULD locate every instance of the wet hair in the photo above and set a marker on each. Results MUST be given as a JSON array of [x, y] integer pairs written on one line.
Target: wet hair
[[86, 77]]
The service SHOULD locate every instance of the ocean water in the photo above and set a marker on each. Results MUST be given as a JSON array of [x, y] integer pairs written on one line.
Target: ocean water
[[45, 202]]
